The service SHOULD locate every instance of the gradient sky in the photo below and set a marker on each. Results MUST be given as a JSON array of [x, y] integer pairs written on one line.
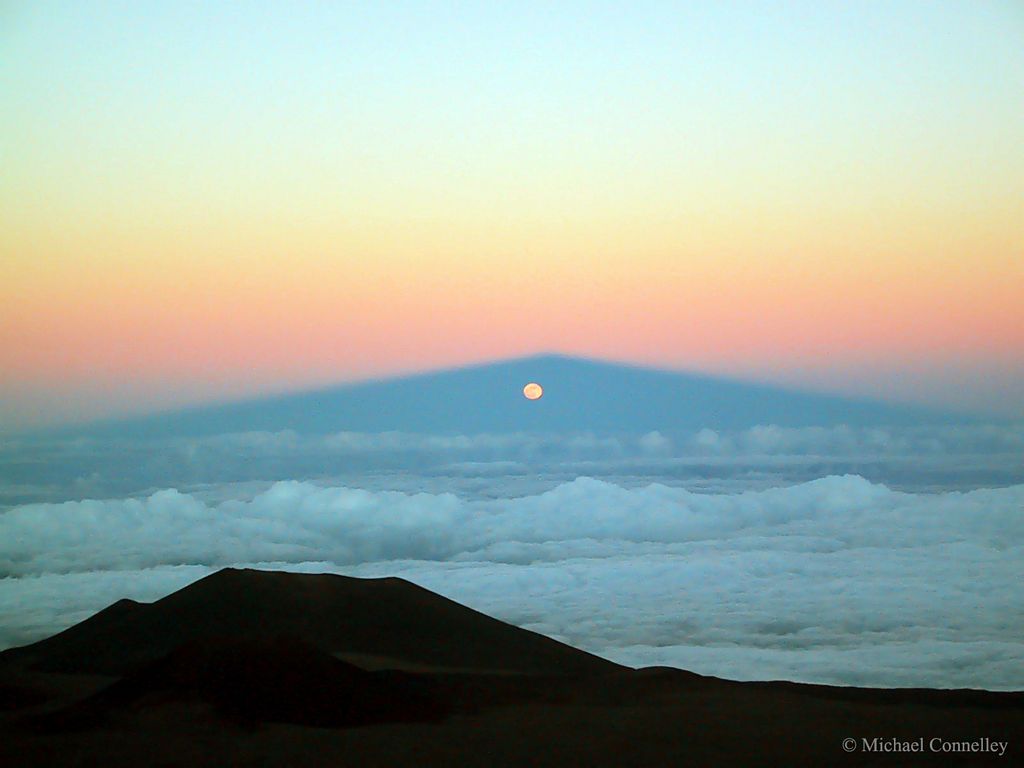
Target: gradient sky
[[207, 200]]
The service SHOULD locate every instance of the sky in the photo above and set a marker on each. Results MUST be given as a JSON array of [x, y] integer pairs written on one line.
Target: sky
[[204, 201]]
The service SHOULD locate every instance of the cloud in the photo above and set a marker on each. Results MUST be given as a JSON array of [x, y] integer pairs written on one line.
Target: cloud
[[295, 521], [930, 458], [835, 580]]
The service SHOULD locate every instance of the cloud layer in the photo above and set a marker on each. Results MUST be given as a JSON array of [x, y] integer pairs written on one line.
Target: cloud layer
[[834, 580], [929, 458]]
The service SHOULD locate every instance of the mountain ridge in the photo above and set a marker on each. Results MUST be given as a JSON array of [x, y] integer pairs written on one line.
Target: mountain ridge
[[270, 690], [341, 615]]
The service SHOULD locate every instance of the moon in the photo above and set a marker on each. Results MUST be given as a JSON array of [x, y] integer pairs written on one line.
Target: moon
[[533, 391]]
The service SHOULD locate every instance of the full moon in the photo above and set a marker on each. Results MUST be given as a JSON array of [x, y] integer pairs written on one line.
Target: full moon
[[533, 391]]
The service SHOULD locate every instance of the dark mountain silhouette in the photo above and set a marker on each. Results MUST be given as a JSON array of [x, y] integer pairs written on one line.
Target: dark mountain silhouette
[[391, 620], [236, 668], [579, 395]]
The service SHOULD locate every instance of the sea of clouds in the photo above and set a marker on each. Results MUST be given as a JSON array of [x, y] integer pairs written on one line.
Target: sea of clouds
[[864, 557]]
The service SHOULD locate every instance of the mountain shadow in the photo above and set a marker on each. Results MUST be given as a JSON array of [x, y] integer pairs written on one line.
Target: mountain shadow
[[579, 395]]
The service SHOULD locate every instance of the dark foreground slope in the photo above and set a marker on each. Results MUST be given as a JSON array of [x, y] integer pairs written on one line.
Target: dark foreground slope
[[249, 681], [263, 694], [385, 619]]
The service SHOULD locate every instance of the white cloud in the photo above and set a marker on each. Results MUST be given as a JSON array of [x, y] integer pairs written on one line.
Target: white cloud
[[911, 458], [834, 580], [655, 443], [296, 521]]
